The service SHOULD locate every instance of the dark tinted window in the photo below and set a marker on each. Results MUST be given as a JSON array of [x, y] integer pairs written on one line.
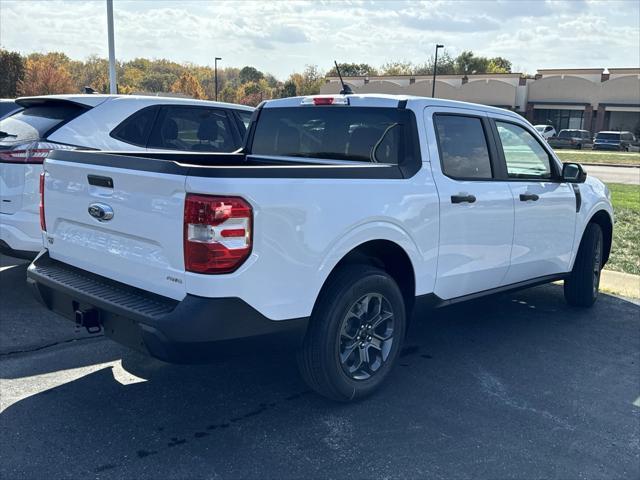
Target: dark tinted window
[[195, 129], [36, 122], [570, 134], [367, 134], [463, 147], [7, 107], [245, 117], [608, 136], [136, 128]]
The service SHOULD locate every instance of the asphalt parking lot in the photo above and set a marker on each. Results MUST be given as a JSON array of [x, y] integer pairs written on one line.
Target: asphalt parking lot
[[513, 386]]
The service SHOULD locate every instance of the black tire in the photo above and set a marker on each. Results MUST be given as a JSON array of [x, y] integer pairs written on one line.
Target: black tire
[[324, 361], [579, 146], [581, 288]]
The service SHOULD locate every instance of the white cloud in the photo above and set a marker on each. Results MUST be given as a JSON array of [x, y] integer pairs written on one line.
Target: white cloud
[[281, 37]]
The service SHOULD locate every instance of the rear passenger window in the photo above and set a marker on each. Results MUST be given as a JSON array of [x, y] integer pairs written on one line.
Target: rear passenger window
[[195, 129], [524, 156], [245, 117], [136, 128], [462, 143]]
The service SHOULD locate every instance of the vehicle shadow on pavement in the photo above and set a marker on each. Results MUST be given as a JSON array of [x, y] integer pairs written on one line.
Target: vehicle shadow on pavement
[[26, 325], [515, 383]]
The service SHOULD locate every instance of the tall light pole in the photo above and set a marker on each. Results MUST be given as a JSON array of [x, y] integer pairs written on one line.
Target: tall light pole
[[215, 68], [435, 67], [113, 86]]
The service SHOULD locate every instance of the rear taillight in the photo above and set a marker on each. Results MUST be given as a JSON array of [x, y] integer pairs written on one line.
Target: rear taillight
[[34, 152], [217, 233], [43, 224]]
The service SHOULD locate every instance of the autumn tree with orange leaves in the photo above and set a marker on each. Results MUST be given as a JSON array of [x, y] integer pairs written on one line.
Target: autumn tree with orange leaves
[[188, 85], [44, 75]]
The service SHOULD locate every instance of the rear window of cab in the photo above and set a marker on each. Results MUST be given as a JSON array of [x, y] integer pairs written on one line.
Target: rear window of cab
[[364, 134]]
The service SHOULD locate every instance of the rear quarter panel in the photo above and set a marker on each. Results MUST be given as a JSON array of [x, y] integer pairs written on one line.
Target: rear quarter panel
[[302, 228]]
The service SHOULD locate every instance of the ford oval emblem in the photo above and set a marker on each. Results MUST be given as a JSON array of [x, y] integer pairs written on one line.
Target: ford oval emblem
[[101, 211]]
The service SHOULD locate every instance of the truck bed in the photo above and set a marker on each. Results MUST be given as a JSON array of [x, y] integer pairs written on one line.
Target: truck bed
[[228, 165]]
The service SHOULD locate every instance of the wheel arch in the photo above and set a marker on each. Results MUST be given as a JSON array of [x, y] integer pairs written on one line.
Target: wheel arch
[[386, 255], [604, 220]]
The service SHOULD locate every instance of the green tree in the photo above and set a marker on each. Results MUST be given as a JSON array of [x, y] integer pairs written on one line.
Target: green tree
[[228, 94], [353, 70], [93, 72], [289, 89], [309, 81], [499, 65], [12, 68], [250, 74], [446, 65], [467, 63], [397, 68]]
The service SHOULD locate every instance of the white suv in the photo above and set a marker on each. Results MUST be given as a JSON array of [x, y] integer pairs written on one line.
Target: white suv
[[98, 122], [547, 131]]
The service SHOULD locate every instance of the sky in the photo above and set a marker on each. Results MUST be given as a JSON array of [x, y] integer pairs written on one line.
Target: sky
[[281, 37]]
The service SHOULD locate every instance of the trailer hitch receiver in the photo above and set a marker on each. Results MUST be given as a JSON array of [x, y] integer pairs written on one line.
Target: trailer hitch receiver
[[89, 319]]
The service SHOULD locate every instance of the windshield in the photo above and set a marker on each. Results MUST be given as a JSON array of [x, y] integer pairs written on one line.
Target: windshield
[[35, 122], [367, 134], [608, 136]]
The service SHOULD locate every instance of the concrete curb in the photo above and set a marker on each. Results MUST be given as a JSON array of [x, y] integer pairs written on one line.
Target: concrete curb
[[624, 284], [594, 164]]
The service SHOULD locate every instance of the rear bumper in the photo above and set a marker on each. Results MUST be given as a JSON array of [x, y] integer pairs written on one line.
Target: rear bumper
[[191, 330]]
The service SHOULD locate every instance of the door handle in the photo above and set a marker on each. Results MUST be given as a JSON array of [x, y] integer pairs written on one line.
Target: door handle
[[463, 198], [525, 197]]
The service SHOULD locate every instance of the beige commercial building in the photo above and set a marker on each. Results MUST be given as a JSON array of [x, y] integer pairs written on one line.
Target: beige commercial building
[[588, 99]]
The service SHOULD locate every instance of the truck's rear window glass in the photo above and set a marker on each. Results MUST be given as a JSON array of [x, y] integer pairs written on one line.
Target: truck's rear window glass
[[35, 122], [367, 134], [463, 147]]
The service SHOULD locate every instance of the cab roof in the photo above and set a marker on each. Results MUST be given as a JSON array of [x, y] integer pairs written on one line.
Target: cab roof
[[389, 101]]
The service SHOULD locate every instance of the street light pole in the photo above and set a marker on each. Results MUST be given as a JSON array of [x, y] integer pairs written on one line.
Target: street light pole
[[113, 85], [215, 63], [435, 67]]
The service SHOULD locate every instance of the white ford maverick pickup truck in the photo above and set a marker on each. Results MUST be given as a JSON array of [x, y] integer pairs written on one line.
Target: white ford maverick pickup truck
[[340, 215]]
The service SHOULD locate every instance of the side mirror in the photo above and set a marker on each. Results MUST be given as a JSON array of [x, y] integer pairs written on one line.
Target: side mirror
[[573, 173]]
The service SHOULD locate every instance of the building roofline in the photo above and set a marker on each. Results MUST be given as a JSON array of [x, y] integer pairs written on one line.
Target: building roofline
[[630, 70], [426, 77], [594, 71]]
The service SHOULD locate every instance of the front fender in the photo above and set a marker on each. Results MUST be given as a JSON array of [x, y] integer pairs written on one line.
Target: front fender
[[594, 199]]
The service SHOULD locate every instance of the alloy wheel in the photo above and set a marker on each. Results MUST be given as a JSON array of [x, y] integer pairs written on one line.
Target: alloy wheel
[[366, 336]]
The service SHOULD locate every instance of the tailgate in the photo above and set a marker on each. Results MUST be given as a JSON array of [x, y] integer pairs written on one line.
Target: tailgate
[[141, 245]]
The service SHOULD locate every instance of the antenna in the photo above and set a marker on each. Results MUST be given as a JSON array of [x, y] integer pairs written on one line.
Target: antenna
[[346, 89]]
